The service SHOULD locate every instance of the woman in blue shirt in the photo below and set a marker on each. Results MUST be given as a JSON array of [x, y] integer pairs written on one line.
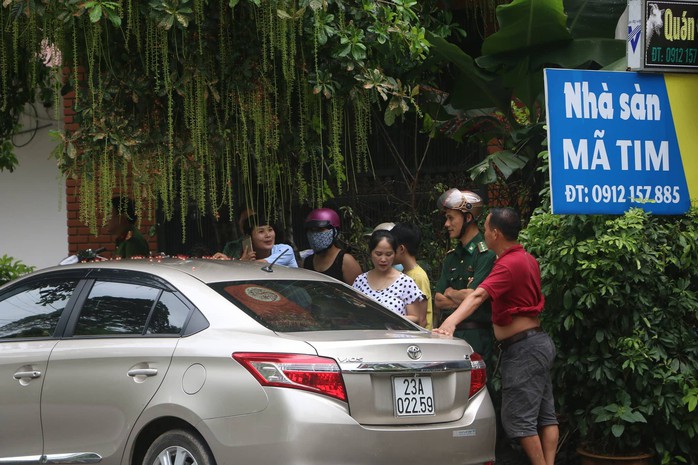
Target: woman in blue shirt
[[263, 241]]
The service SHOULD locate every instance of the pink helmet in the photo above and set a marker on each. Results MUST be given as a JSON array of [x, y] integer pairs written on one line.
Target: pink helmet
[[322, 218]]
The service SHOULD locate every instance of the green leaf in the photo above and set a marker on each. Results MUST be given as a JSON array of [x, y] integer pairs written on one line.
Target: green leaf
[[599, 335], [483, 172], [358, 53], [182, 19], [617, 430], [567, 300], [96, 13], [476, 88], [568, 323], [505, 160], [508, 162], [345, 51], [594, 18], [115, 19], [524, 24], [71, 150], [389, 116], [167, 22]]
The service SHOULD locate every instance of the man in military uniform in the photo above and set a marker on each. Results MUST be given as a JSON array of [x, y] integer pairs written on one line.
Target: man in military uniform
[[464, 268]]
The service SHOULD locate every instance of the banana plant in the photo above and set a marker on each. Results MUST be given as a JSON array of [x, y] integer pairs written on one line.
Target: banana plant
[[498, 96]]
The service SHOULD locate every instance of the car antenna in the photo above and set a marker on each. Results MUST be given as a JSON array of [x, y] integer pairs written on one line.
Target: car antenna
[[268, 267]]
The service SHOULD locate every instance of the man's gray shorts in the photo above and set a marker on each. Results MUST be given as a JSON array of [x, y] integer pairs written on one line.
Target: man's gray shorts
[[527, 390]]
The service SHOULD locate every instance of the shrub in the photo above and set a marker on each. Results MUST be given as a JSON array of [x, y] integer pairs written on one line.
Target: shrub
[[11, 269], [622, 305]]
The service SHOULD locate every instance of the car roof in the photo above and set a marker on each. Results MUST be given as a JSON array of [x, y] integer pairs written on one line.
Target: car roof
[[206, 270]]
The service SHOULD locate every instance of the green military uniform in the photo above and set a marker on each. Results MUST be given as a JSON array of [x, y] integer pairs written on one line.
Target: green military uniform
[[134, 246], [474, 260]]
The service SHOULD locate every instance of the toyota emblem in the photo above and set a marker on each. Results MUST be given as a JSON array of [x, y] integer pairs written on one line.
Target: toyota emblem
[[414, 352]]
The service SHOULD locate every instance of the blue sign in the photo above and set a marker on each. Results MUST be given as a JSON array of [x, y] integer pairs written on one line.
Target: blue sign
[[612, 144]]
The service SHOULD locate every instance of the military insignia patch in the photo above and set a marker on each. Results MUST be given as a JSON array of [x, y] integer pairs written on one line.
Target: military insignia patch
[[482, 247]]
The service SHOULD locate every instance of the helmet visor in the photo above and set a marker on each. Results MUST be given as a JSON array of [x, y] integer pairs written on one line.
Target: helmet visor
[[318, 224], [451, 199]]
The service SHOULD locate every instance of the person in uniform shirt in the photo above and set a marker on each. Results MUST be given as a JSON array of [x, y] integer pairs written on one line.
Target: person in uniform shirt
[[527, 353], [464, 268]]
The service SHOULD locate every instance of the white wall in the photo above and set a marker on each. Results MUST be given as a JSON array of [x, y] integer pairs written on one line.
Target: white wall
[[33, 219]]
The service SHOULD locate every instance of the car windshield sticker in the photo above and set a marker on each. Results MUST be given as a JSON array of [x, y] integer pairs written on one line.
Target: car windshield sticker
[[262, 294]]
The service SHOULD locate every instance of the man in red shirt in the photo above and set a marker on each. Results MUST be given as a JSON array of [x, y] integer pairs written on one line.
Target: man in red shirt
[[527, 353]]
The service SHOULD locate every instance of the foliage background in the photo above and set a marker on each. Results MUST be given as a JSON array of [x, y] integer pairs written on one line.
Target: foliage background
[[217, 104], [622, 305], [207, 105]]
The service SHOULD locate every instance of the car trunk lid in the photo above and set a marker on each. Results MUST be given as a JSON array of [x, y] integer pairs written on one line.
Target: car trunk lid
[[398, 377]]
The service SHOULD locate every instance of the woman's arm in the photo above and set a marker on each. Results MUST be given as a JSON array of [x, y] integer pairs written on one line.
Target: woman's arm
[[417, 312], [350, 269]]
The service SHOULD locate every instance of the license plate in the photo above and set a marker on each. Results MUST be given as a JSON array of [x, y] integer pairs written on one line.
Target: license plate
[[413, 396]]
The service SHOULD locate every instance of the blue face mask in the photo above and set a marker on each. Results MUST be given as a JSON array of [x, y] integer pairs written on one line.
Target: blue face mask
[[321, 240], [399, 267]]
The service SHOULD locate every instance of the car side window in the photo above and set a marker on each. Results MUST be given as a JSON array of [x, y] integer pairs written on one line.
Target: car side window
[[116, 308], [169, 315], [33, 311]]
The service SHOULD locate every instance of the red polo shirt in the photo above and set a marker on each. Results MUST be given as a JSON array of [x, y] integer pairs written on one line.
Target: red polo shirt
[[514, 286]]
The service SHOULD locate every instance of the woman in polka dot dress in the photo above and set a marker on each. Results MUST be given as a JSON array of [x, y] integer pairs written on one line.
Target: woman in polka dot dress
[[386, 285]]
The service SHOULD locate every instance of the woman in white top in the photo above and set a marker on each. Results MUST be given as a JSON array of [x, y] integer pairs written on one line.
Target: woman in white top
[[386, 285]]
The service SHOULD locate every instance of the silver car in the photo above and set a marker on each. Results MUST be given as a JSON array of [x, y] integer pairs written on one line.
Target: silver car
[[179, 361]]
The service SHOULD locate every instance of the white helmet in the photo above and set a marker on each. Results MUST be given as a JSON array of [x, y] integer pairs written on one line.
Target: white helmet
[[465, 201], [383, 226]]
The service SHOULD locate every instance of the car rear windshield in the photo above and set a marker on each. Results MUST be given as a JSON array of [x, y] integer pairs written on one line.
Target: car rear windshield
[[289, 306]]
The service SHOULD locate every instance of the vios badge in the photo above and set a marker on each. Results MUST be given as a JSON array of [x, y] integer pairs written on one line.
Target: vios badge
[[414, 352]]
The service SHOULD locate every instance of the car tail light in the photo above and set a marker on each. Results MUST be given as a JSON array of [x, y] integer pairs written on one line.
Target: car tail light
[[478, 375], [308, 372]]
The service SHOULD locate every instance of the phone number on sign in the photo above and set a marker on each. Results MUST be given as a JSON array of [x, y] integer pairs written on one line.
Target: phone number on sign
[[620, 194]]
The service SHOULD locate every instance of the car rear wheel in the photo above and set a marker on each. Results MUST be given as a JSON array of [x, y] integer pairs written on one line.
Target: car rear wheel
[[178, 447]]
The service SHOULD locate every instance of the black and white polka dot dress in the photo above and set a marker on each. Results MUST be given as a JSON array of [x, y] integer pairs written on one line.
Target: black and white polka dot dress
[[396, 297]]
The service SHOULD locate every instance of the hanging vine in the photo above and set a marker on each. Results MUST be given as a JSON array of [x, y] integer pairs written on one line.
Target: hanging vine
[[218, 103]]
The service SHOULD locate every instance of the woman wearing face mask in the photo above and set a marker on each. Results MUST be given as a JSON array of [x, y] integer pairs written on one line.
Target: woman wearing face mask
[[322, 229], [388, 286]]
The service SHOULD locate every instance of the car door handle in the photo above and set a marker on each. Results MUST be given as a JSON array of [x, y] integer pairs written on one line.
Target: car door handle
[[26, 374], [143, 372]]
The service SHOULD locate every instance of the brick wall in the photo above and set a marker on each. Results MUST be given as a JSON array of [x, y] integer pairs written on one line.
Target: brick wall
[[79, 237]]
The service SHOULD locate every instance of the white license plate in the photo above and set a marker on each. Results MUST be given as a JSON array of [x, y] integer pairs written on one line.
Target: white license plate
[[413, 396]]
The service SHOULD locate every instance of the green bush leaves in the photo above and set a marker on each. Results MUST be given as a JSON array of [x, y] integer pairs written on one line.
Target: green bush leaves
[[622, 304]]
